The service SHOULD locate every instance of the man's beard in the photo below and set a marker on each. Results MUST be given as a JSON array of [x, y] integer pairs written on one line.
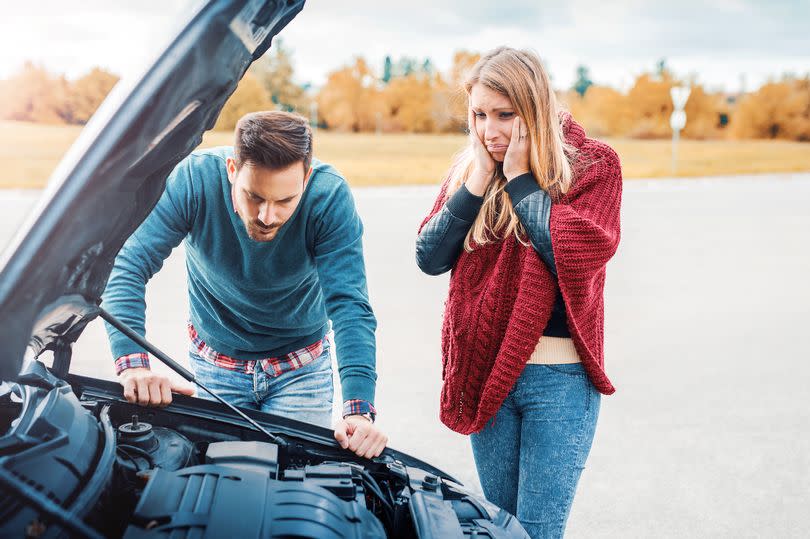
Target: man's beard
[[259, 232]]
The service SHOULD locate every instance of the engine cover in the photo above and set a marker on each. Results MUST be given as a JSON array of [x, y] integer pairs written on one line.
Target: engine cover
[[214, 500]]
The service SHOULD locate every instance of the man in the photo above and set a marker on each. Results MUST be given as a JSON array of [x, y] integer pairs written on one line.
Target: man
[[273, 251]]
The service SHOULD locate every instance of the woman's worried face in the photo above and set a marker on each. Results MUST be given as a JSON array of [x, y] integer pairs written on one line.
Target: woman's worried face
[[494, 115]]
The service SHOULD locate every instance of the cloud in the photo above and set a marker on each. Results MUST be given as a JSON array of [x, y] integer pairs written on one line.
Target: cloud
[[720, 39]]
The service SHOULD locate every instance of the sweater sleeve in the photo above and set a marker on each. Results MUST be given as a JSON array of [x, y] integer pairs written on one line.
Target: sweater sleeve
[[341, 269], [533, 207], [143, 255], [585, 226], [441, 239]]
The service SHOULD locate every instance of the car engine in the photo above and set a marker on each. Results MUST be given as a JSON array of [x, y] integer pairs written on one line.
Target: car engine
[[133, 472]]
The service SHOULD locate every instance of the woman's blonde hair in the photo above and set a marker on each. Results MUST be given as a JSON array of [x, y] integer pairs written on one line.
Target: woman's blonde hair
[[519, 75]]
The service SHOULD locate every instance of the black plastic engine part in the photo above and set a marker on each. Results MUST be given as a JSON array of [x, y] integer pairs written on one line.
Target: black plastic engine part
[[57, 449], [166, 448], [335, 478], [226, 501], [246, 455]]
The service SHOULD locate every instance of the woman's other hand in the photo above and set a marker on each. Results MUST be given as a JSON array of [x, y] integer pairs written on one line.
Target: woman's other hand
[[516, 161]]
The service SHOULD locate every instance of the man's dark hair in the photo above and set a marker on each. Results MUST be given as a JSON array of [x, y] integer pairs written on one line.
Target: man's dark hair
[[273, 139]]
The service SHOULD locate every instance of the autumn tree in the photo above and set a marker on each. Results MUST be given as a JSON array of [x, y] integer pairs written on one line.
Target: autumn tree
[[450, 99], [603, 111], [409, 104], [777, 110], [34, 95], [651, 106], [408, 96], [350, 100], [275, 72], [250, 96], [703, 112], [87, 93]]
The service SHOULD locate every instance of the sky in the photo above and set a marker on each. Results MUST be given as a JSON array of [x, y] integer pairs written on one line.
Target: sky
[[724, 44]]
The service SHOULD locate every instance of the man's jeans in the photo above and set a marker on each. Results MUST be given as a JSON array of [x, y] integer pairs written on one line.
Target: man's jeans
[[531, 454], [304, 394]]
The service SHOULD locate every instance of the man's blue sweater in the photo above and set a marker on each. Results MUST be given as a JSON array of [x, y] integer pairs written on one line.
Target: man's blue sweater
[[249, 299]]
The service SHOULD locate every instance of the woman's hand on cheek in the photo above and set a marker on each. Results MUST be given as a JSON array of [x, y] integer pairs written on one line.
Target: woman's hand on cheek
[[483, 163], [516, 160]]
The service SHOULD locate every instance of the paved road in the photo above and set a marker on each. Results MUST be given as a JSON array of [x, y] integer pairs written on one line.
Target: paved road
[[707, 306]]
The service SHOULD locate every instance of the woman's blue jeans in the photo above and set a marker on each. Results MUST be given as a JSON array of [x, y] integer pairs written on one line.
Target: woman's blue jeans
[[531, 454]]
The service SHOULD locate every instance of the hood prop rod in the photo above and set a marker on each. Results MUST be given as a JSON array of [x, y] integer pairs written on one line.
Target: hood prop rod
[[182, 371]]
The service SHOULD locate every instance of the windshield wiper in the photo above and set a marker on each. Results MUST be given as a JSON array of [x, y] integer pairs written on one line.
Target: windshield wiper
[[182, 371]]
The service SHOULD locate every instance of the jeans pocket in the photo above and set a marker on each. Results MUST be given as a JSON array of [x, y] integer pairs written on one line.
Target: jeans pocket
[[555, 392]]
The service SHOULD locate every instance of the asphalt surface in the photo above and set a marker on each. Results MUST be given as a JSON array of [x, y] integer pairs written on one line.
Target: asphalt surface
[[707, 308]]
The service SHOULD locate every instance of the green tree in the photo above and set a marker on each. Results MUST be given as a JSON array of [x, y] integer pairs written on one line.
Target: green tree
[[388, 67], [661, 69], [405, 66], [583, 81]]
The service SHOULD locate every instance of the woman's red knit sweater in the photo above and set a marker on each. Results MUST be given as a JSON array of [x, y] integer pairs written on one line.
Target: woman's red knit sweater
[[501, 294]]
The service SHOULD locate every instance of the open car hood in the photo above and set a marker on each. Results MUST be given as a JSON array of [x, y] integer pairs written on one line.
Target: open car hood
[[54, 272]]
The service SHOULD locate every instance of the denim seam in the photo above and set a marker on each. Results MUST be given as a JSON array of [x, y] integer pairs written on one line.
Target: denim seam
[[589, 392], [575, 473], [256, 396], [554, 368], [585, 422]]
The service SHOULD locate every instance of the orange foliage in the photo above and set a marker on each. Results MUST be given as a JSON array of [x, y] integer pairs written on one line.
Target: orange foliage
[[650, 107], [34, 95], [87, 94], [703, 112], [603, 111], [350, 99], [451, 99], [778, 110], [409, 104], [249, 96], [423, 101]]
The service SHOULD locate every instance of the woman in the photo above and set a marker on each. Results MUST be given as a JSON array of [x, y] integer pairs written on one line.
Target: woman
[[527, 219]]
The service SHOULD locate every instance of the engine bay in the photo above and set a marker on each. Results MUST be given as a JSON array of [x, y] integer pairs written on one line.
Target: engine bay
[[134, 472]]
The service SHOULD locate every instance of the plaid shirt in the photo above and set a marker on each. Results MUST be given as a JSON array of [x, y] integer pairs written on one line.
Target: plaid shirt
[[275, 365]]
